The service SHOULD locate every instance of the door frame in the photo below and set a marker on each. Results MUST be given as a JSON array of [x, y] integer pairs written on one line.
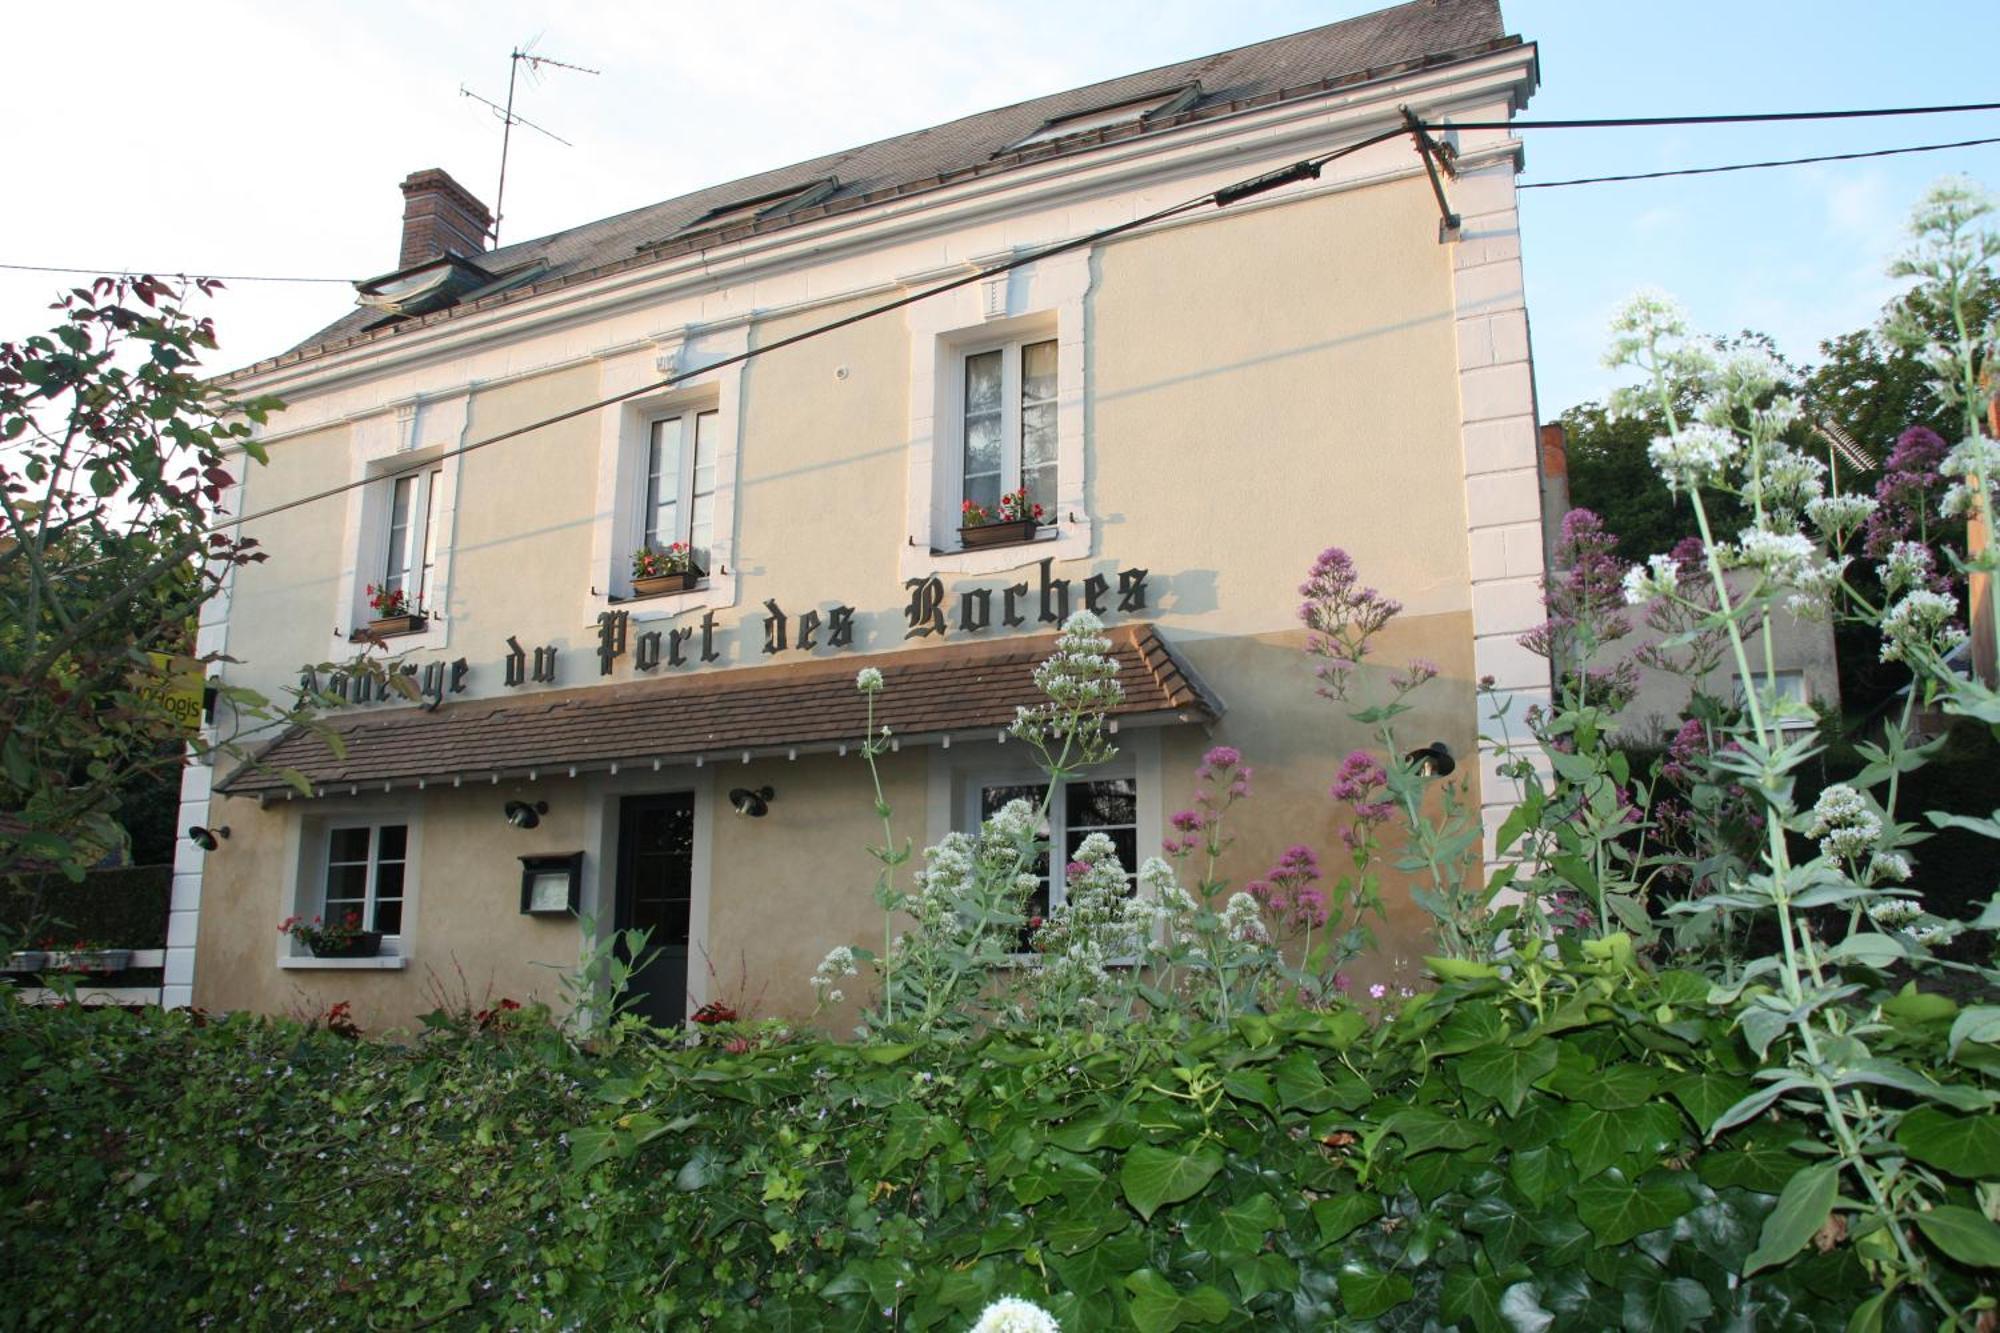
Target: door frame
[[602, 795]]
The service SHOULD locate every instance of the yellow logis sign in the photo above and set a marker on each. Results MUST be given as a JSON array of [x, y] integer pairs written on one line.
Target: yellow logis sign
[[176, 687]]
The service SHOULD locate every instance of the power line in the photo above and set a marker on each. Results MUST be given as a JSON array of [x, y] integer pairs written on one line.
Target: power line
[[1228, 194], [109, 271], [1755, 166], [1749, 118]]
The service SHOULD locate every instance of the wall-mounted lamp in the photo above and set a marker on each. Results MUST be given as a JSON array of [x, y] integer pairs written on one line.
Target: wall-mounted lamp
[[208, 839], [1433, 760], [755, 804], [522, 815]]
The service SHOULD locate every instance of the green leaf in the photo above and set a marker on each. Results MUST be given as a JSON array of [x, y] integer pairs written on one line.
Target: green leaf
[[1469, 1027], [1159, 1307], [1539, 1173], [1595, 1138], [1616, 1209], [1264, 1272], [1366, 1291], [1803, 1206], [1247, 1085], [1235, 1233], [1966, 1146], [1155, 1176], [1521, 1307], [1706, 1095], [1473, 1298], [1759, 1162], [1981, 1023], [1666, 1307], [1967, 1236], [1503, 1228], [887, 1054], [1458, 969], [1423, 1128], [1867, 1316], [1103, 1265], [1505, 1073], [1337, 1216], [1300, 1083]]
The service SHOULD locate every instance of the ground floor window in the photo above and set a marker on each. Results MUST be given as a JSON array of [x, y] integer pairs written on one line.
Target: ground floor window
[[366, 869], [1107, 805]]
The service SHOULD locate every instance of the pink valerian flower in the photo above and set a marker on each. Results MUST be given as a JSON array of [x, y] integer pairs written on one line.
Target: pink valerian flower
[[1906, 504], [1286, 890], [1358, 777], [1421, 671], [1342, 982], [1219, 757], [1585, 597], [1340, 618]]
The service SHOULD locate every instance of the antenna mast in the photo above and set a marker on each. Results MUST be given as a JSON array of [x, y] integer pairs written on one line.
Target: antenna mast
[[508, 120]]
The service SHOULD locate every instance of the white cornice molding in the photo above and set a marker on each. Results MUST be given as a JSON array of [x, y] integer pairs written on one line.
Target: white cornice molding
[[1294, 126]]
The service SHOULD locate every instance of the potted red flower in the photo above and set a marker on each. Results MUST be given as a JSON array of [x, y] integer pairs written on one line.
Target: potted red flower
[[395, 611], [1013, 520], [671, 570], [88, 956], [342, 939]]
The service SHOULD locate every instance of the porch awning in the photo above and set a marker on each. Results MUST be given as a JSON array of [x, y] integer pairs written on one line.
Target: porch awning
[[969, 691]]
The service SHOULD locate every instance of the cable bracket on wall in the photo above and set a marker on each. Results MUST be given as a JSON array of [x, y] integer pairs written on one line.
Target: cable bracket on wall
[[1437, 156]]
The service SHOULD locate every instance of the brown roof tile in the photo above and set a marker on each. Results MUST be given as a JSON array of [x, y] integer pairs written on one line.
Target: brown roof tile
[[927, 692]]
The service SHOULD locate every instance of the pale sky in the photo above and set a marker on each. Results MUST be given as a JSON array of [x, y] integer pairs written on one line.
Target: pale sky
[[269, 138]]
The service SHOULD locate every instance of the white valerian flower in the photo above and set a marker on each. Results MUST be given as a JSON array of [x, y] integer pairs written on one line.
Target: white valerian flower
[[1894, 913], [1975, 456], [1692, 457], [868, 680], [1011, 1314], [1837, 515], [1920, 621], [1890, 865], [1815, 586], [1784, 556], [1243, 919], [1843, 823], [1659, 576], [1788, 481], [839, 962], [1908, 565]]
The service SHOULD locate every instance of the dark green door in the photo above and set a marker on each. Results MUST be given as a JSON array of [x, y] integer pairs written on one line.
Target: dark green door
[[655, 890]]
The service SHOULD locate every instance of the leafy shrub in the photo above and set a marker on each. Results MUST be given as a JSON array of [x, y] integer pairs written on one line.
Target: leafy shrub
[[1502, 1153]]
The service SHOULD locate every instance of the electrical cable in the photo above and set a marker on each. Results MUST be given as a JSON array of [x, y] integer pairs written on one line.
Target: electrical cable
[[1746, 118], [133, 273], [1754, 166], [1223, 196]]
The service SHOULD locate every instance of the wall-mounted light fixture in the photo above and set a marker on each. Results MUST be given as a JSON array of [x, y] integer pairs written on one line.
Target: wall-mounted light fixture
[[755, 804], [1433, 760], [208, 839], [520, 814], [552, 885]]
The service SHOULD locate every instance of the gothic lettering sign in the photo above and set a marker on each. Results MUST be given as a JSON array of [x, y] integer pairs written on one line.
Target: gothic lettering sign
[[929, 612]]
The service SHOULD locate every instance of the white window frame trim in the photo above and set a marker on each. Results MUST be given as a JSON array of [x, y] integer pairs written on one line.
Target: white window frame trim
[[1025, 305], [308, 840], [624, 437], [412, 435]]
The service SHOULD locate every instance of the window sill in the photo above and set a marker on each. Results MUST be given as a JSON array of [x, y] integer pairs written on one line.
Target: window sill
[[1068, 541], [632, 597], [380, 963]]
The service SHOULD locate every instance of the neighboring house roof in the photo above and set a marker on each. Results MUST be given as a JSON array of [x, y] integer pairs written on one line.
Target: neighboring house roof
[[1390, 41], [964, 688]]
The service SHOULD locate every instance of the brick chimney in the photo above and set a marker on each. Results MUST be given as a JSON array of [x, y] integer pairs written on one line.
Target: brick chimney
[[441, 217]]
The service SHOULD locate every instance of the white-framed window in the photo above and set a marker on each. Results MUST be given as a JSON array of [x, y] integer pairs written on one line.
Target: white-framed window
[[678, 503], [1792, 693], [365, 876], [997, 395], [1007, 423], [1097, 803], [410, 563]]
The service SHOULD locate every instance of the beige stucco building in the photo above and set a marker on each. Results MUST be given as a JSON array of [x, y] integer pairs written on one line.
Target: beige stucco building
[[1201, 401]]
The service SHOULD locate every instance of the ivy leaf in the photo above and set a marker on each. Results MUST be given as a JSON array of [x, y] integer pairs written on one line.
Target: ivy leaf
[[1264, 1272], [1539, 1173], [1300, 1083], [1154, 1176], [1336, 1217], [1521, 1307], [1595, 1138], [1102, 1265], [1366, 1291], [1160, 1307], [1500, 1225], [1505, 1073], [1705, 1095], [1247, 1085], [1669, 1306], [1473, 1298], [1802, 1209], [1981, 1023], [1236, 1233], [1759, 1162], [1967, 1236], [1966, 1146], [1616, 1209]]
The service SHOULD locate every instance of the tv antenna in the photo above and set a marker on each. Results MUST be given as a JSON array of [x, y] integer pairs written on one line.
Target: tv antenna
[[508, 120]]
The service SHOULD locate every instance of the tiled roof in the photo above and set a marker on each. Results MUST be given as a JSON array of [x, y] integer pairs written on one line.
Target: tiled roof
[[1389, 41], [962, 688]]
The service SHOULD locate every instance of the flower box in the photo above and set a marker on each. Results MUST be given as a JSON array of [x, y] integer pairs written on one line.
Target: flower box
[[98, 962], [1011, 532], [685, 581], [25, 960], [389, 625], [362, 944]]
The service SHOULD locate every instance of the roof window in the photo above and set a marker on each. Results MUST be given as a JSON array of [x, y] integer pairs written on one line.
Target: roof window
[[1131, 111], [745, 212]]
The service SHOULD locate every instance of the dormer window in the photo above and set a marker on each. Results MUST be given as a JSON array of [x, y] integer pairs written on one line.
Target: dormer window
[[744, 212], [1131, 111]]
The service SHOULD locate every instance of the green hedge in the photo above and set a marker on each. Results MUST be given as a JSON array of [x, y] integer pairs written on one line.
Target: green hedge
[[1492, 1159], [121, 909]]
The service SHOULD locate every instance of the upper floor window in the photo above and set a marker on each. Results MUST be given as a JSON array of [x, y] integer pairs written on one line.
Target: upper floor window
[[680, 486], [413, 536], [1009, 425]]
